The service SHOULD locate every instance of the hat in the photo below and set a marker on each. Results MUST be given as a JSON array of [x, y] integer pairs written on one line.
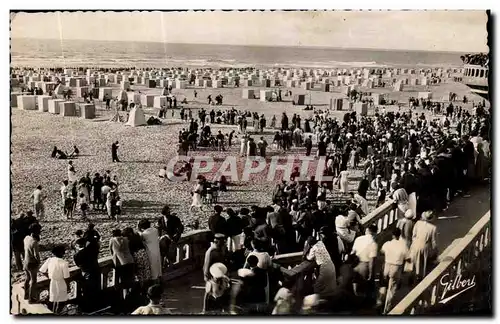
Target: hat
[[427, 215], [219, 236], [379, 176], [218, 208], [409, 214], [243, 273], [218, 270]]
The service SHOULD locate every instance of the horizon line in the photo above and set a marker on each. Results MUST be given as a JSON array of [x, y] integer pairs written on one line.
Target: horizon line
[[260, 45]]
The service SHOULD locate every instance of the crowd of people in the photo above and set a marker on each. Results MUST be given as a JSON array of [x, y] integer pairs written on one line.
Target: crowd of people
[[421, 164]]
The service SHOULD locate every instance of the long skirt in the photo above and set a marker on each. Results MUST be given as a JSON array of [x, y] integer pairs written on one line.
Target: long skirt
[[344, 186], [326, 281]]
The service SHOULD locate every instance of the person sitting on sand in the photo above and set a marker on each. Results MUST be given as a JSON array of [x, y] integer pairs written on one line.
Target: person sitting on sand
[[75, 152], [58, 154]]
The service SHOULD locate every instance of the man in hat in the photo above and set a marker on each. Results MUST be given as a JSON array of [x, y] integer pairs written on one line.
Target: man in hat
[[396, 254], [217, 290], [217, 252]]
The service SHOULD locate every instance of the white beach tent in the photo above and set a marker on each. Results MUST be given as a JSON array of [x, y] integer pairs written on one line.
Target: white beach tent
[[136, 117]]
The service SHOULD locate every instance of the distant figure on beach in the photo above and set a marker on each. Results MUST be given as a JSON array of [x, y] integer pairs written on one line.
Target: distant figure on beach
[[107, 99], [209, 98], [114, 151], [195, 94]]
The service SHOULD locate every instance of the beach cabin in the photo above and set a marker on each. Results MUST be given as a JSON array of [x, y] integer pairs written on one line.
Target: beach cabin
[[133, 97], [152, 84], [13, 98], [265, 83], [306, 85], [299, 99], [87, 110], [325, 87], [216, 84], [180, 84], [26, 102], [398, 86], [207, 83], [68, 109], [266, 95], [125, 85], [43, 103], [248, 94], [105, 91], [361, 108], [160, 101], [424, 95], [336, 103], [377, 98], [54, 105], [81, 91], [147, 100], [81, 82]]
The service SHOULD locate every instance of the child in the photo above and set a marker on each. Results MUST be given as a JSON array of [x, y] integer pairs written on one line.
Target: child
[[83, 206], [57, 270]]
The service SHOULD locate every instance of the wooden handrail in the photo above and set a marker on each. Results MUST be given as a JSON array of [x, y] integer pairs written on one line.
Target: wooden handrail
[[453, 257], [191, 249]]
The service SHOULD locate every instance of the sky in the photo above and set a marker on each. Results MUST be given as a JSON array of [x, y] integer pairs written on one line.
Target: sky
[[461, 31]]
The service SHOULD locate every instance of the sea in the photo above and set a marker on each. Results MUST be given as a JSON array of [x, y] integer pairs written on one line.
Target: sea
[[88, 53]]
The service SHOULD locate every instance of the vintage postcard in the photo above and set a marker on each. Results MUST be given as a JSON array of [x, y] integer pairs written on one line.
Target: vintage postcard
[[250, 163]]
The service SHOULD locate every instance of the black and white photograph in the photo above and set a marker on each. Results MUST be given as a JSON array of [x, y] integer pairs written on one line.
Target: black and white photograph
[[250, 163]]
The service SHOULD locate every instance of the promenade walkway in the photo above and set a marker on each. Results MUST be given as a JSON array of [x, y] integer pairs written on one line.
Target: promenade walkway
[[185, 295]]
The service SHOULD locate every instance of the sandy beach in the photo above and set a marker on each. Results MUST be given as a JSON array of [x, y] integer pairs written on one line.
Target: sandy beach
[[144, 150]]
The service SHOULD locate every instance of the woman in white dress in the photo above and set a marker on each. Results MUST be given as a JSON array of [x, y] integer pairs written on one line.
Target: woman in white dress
[[151, 240], [197, 199], [57, 269], [423, 244], [344, 181]]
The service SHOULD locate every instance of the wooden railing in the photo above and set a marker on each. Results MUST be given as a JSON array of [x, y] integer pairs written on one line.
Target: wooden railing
[[190, 253], [467, 252]]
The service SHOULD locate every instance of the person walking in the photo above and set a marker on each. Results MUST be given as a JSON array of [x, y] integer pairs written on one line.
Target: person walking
[[396, 254], [423, 246], [114, 151]]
